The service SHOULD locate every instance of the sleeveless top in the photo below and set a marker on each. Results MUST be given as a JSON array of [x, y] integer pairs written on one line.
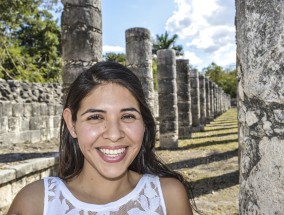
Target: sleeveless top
[[145, 199]]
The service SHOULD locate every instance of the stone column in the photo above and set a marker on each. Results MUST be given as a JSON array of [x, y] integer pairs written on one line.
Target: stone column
[[211, 88], [167, 91], [215, 99], [195, 99], [260, 68], [208, 94], [183, 98], [202, 92], [139, 60], [218, 100], [81, 36]]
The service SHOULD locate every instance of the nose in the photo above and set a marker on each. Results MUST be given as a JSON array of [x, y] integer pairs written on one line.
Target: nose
[[113, 130]]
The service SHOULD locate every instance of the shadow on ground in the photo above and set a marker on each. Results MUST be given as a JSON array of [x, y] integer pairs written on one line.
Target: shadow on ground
[[14, 157], [209, 185], [190, 163]]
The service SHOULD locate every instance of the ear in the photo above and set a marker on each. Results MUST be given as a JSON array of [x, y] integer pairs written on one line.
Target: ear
[[67, 115]]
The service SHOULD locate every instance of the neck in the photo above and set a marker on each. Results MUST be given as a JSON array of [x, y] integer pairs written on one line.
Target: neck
[[94, 188]]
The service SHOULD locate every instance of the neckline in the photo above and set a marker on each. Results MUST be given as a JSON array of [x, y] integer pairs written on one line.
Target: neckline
[[102, 207]]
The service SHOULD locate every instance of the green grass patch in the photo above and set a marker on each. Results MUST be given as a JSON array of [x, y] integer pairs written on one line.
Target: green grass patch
[[220, 135]]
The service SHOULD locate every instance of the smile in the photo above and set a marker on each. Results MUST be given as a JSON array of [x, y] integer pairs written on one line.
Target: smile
[[112, 152]]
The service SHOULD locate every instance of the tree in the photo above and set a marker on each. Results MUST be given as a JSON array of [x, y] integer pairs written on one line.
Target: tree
[[30, 42], [226, 79], [115, 57], [214, 72], [164, 41]]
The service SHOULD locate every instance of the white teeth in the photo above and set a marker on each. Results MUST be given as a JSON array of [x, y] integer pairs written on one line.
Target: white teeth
[[111, 152]]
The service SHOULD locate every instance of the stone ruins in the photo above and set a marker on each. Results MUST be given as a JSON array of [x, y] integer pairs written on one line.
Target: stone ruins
[[260, 70], [31, 111], [184, 102]]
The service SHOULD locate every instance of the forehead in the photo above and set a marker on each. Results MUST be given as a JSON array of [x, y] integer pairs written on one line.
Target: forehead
[[110, 93]]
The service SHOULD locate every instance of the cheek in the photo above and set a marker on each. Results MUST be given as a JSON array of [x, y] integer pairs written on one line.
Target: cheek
[[136, 133], [86, 135]]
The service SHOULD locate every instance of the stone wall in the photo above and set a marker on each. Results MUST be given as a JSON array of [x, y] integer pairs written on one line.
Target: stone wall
[[14, 177], [29, 112]]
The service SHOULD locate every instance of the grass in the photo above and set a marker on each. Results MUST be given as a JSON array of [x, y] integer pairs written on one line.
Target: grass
[[209, 160], [220, 134]]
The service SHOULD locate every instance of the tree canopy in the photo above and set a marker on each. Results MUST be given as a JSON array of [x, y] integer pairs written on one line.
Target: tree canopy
[[226, 79], [115, 57], [30, 46], [165, 41]]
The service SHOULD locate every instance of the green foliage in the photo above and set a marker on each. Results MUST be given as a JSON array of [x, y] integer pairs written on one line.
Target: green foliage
[[164, 41], [226, 79], [115, 57], [155, 72], [30, 42]]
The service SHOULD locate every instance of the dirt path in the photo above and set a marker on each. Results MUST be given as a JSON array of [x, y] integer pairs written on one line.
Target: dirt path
[[210, 161]]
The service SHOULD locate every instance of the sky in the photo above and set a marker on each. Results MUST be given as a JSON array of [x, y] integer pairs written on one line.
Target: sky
[[205, 28]]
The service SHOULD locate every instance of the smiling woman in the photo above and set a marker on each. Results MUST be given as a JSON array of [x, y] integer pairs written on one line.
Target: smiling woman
[[107, 162]]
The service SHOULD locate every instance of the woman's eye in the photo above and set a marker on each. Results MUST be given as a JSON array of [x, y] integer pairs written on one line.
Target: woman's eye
[[95, 117], [129, 117]]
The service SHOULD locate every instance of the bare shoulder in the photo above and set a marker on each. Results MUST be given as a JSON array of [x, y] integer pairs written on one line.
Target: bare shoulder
[[29, 200], [175, 196]]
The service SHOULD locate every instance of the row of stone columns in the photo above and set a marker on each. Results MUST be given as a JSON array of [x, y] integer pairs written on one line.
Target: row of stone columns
[[186, 99]]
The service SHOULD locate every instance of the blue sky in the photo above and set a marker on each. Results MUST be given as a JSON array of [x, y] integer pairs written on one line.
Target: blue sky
[[205, 27]]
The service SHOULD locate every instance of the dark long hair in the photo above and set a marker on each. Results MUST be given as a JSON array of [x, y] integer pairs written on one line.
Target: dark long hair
[[71, 159]]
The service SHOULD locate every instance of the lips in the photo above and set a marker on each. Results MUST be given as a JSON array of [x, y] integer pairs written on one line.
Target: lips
[[111, 155]]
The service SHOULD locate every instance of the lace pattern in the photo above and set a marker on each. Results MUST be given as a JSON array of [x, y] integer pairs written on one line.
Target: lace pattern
[[145, 199]]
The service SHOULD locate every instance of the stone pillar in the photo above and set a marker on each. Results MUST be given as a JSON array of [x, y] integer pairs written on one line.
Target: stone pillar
[[202, 92], [167, 91], [218, 101], [139, 60], [222, 101], [215, 99], [81, 36], [195, 99], [260, 105], [211, 88], [183, 98], [208, 94]]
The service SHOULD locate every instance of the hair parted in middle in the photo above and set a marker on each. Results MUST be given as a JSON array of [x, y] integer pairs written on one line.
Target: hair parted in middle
[[71, 159]]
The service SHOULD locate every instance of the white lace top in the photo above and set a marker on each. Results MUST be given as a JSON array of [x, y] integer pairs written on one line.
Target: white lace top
[[145, 199]]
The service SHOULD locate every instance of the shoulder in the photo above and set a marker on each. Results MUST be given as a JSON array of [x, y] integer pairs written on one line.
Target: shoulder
[[27, 198], [175, 196]]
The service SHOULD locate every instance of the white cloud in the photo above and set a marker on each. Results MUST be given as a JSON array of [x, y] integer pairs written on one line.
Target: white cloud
[[193, 59], [206, 27], [225, 54], [116, 49]]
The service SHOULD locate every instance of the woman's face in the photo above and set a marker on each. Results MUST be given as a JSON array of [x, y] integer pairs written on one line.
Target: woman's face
[[109, 130]]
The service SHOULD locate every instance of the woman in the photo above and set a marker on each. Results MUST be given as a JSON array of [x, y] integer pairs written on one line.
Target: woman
[[106, 164]]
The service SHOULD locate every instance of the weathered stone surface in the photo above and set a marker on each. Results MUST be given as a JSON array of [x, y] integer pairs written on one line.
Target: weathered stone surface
[[14, 178], [27, 93], [81, 36], [261, 103], [168, 110], [82, 31], [208, 100], [184, 98], [202, 92], [139, 60], [195, 99]]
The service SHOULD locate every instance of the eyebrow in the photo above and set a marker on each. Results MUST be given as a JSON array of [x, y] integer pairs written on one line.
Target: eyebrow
[[92, 110], [130, 109]]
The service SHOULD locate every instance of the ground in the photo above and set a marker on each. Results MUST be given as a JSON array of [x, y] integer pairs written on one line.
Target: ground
[[209, 161]]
